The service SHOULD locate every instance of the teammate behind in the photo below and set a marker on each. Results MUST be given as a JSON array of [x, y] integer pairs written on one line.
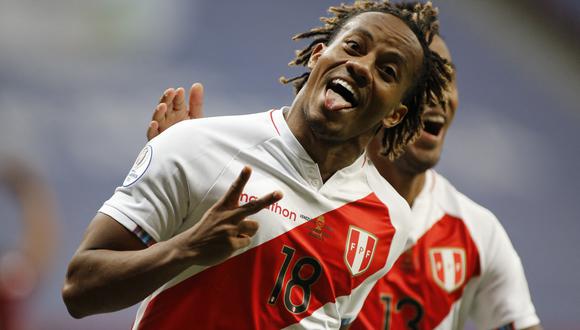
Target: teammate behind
[[176, 234], [461, 263]]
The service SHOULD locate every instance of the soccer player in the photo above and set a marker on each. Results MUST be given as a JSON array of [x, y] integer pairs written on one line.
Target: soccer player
[[176, 234], [461, 263]]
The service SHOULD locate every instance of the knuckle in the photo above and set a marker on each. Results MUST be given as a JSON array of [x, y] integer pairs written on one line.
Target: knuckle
[[231, 231], [232, 243]]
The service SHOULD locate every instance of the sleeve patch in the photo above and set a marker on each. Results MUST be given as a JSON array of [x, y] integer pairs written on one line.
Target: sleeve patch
[[140, 166]]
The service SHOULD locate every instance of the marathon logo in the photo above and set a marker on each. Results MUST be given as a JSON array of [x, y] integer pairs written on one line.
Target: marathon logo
[[276, 207]]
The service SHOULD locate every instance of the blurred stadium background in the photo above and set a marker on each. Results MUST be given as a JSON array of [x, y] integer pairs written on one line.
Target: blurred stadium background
[[79, 80]]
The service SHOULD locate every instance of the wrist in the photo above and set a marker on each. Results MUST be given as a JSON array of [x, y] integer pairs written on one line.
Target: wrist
[[178, 252]]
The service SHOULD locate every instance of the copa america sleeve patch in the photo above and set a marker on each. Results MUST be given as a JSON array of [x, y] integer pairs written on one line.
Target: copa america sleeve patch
[[141, 165]]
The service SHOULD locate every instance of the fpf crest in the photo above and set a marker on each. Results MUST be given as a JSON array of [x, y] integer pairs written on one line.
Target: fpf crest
[[448, 267], [360, 247]]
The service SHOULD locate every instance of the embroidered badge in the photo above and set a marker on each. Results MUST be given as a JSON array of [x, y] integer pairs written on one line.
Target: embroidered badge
[[141, 165], [360, 247], [448, 267]]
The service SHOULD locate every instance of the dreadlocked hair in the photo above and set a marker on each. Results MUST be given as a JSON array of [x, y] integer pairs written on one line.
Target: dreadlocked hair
[[430, 83]]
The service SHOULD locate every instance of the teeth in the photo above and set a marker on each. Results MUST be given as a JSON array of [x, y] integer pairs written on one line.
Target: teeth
[[435, 119], [344, 84]]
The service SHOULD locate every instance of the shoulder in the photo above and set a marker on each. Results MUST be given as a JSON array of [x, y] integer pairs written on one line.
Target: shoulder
[[225, 133], [484, 227], [455, 203], [241, 128]]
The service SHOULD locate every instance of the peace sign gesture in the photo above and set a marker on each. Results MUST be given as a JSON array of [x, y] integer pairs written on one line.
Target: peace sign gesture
[[223, 229]]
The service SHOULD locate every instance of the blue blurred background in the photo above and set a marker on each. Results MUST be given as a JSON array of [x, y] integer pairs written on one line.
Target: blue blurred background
[[79, 81]]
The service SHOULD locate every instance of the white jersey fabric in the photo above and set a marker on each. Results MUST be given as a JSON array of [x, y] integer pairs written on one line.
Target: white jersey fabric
[[461, 264], [318, 251]]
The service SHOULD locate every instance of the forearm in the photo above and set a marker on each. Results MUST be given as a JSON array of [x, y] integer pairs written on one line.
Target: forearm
[[100, 281]]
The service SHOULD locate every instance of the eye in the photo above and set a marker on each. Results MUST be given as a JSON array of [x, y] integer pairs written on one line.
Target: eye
[[389, 71], [353, 46]]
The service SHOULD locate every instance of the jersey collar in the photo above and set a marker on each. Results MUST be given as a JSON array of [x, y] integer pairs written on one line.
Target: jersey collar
[[306, 166]]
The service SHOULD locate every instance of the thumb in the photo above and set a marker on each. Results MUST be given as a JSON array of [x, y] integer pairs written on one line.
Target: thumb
[[196, 101]]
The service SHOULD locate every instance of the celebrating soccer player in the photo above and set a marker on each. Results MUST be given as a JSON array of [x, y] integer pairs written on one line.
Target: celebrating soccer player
[[176, 233], [460, 264]]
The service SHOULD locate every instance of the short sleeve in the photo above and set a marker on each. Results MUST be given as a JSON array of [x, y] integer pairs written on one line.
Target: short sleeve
[[503, 297], [154, 196]]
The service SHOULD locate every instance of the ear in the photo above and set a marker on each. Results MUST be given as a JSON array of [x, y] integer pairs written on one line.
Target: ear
[[316, 52], [396, 116]]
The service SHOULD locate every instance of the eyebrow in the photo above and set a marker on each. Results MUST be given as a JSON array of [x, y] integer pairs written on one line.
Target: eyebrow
[[392, 55], [364, 32], [396, 57]]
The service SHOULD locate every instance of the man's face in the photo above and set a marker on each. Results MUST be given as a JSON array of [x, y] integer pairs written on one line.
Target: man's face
[[425, 152], [357, 81]]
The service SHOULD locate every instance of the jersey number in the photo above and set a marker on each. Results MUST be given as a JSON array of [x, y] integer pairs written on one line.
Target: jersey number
[[413, 323], [296, 281]]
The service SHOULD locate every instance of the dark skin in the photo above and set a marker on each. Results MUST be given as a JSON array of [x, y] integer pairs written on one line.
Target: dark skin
[[112, 270], [364, 55]]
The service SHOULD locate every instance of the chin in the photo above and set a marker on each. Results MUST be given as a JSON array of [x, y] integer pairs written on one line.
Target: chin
[[326, 130], [417, 162], [327, 134]]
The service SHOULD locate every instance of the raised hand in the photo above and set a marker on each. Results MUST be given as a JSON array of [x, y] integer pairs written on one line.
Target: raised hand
[[172, 109], [223, 229]]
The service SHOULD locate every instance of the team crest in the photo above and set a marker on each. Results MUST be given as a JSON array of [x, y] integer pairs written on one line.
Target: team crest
[[360, 247], [448, 267]]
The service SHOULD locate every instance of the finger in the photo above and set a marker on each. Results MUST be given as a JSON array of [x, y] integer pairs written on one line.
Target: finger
[[240, 242], [247, 228], [231, 197], [159, 113], [169, 98], [258, 204], [163, 97], [152, 130], [196, 101], [179, 100]]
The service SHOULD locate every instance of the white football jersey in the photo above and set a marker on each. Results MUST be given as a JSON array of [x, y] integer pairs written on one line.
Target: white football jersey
[[461, 264], [317, 253]]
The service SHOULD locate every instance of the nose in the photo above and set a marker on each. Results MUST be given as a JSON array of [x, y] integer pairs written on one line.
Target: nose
[[360, 72]]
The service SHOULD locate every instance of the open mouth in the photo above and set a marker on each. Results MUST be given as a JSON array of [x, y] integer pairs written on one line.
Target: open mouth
[[340, 95], [433, 125]]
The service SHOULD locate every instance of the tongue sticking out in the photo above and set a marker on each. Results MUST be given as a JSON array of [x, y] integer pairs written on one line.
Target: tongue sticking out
[[334, 101]]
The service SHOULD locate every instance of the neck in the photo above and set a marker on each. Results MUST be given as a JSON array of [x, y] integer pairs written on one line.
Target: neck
[[407, 184], [330, 156]]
